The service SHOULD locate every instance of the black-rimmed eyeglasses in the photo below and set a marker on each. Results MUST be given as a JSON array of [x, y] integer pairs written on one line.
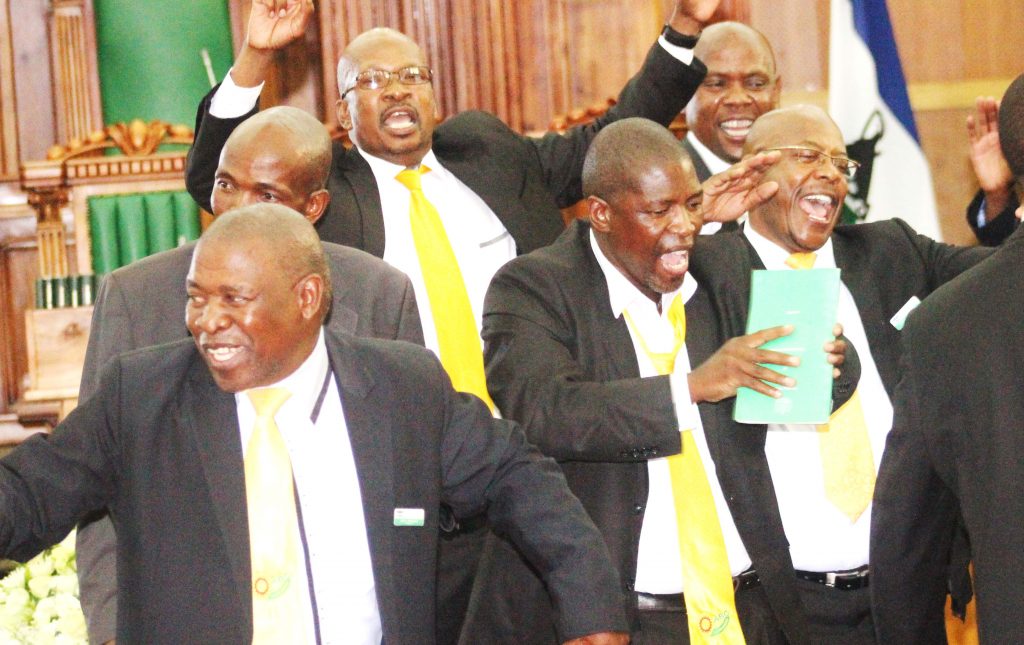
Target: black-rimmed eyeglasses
[[374, 79]]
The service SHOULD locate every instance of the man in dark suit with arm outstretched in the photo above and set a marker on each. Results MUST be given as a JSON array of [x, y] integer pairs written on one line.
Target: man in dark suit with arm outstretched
[[175, 441]]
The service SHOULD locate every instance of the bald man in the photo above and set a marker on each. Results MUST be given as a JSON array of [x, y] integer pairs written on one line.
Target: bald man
[[742, 83], [280, 156], [956, 444], [367, 438], [571, 332], [886, 270]]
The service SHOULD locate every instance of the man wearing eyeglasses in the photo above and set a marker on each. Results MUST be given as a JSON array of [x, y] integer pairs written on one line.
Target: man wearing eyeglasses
[[825, 503], [447, 205]]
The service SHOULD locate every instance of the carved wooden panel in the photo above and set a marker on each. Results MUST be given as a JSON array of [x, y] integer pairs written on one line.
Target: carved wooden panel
[[73, 53]]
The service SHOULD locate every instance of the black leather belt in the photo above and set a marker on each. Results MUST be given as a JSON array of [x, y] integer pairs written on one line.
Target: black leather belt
[[842, 580], [674, 601]]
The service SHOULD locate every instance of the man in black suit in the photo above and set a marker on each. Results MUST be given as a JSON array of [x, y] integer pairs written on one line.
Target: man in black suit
[[281, 155], [742, 83], [991, 214], [174, 438], [495, 192], [956, 444], [565, 330], [886, 269]]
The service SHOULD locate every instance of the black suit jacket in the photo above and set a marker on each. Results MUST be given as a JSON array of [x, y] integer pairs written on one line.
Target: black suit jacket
[[884, 264], [524, 180], [159, 445], [562, 365], [143, 304], [955, 449]]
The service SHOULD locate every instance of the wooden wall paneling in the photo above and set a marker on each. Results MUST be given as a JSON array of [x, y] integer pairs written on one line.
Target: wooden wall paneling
[[75, 72], [33, 87], [542, 67], [798, 32], [8, 108]]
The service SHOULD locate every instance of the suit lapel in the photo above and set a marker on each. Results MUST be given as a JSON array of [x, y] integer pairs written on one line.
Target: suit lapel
[[210, 412], [370, 216], [373, 452], [703, 173]]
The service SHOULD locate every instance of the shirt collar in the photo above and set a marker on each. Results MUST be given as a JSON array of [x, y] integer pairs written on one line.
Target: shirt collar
[[385, 170], [305, 382], [774, 256], [623, 294], [714, 163]]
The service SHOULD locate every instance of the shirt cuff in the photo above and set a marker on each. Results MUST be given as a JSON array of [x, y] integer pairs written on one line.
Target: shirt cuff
[[682, 54], [685, 409], [231, 101], [982, 220]]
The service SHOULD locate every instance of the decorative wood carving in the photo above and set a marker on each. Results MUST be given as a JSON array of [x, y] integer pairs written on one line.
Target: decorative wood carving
[[75, 72]]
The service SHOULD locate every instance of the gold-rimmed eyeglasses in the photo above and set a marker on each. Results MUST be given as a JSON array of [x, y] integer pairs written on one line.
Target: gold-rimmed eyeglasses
[[809, 156], [374, 79]]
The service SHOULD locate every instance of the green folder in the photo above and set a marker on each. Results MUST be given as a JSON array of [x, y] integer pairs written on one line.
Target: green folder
[[807, 300], [186, 218], [103, 234], [131, 228], [159, 221]]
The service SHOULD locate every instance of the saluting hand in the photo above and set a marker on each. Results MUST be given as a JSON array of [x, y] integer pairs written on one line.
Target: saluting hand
[[739, 188]]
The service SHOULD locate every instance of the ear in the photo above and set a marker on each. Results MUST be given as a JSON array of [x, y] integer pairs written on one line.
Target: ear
[[316, 205], [344, 116], [777, 92], [599, 213], [310, 292]]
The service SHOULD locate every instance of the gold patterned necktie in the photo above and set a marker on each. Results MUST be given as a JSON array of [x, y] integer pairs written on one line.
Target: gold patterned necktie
[[847, 464], [273, 526], [457, 335], [707, 580]]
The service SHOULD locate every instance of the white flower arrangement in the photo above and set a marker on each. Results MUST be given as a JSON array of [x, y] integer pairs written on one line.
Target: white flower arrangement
[[39, 600]]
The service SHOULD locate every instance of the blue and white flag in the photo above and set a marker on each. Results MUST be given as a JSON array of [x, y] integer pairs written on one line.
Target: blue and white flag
[[868, 100]]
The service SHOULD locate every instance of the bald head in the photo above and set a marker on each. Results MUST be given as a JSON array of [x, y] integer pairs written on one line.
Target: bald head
[[280, 155], [288, 242], [741, 84], [733, 36], [790, 126], [623, 152], [366, 45], [1011, 126]]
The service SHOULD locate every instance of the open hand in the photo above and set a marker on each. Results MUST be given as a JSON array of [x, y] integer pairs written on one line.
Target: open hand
[[274, 24], [739, 188], [986, 153], [737, 364]]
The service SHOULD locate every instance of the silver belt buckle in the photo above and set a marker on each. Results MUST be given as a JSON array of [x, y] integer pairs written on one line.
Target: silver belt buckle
[[830, 579]]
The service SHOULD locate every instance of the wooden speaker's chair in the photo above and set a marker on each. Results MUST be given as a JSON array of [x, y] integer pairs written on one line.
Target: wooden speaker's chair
[[120, 192]]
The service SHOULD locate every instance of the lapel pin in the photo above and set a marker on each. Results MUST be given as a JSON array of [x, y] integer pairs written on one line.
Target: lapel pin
[[409, 517]]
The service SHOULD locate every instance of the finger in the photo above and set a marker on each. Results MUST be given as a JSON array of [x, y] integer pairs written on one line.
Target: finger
[[837, 330], [775, 358], [763, 388], [762, 336], [835, 373], [835, 358], [760, 194]]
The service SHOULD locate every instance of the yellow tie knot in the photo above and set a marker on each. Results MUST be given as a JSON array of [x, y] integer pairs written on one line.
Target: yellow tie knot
[[268, 400], [410, 177], [801, 260]]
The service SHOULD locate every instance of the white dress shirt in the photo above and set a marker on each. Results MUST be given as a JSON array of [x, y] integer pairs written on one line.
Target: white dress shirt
[[715, 165], [821, 537], [331, 505], [659, 569]]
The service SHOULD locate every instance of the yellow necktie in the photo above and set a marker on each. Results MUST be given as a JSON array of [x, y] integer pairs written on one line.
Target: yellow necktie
[[707, 581], [848, 466], [457, 335], [273, 526]]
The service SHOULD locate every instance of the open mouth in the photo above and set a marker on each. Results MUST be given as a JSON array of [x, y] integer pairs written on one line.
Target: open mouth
[[221, 355], [736, 129], [400, 120], [675, 262], [818, 207]]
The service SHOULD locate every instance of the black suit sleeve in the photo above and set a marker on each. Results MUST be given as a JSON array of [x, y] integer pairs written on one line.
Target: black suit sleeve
[[995, 231], [529, 503], [536, 376], [911, 523], [942, 262], [659, 91], [203, 158]]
